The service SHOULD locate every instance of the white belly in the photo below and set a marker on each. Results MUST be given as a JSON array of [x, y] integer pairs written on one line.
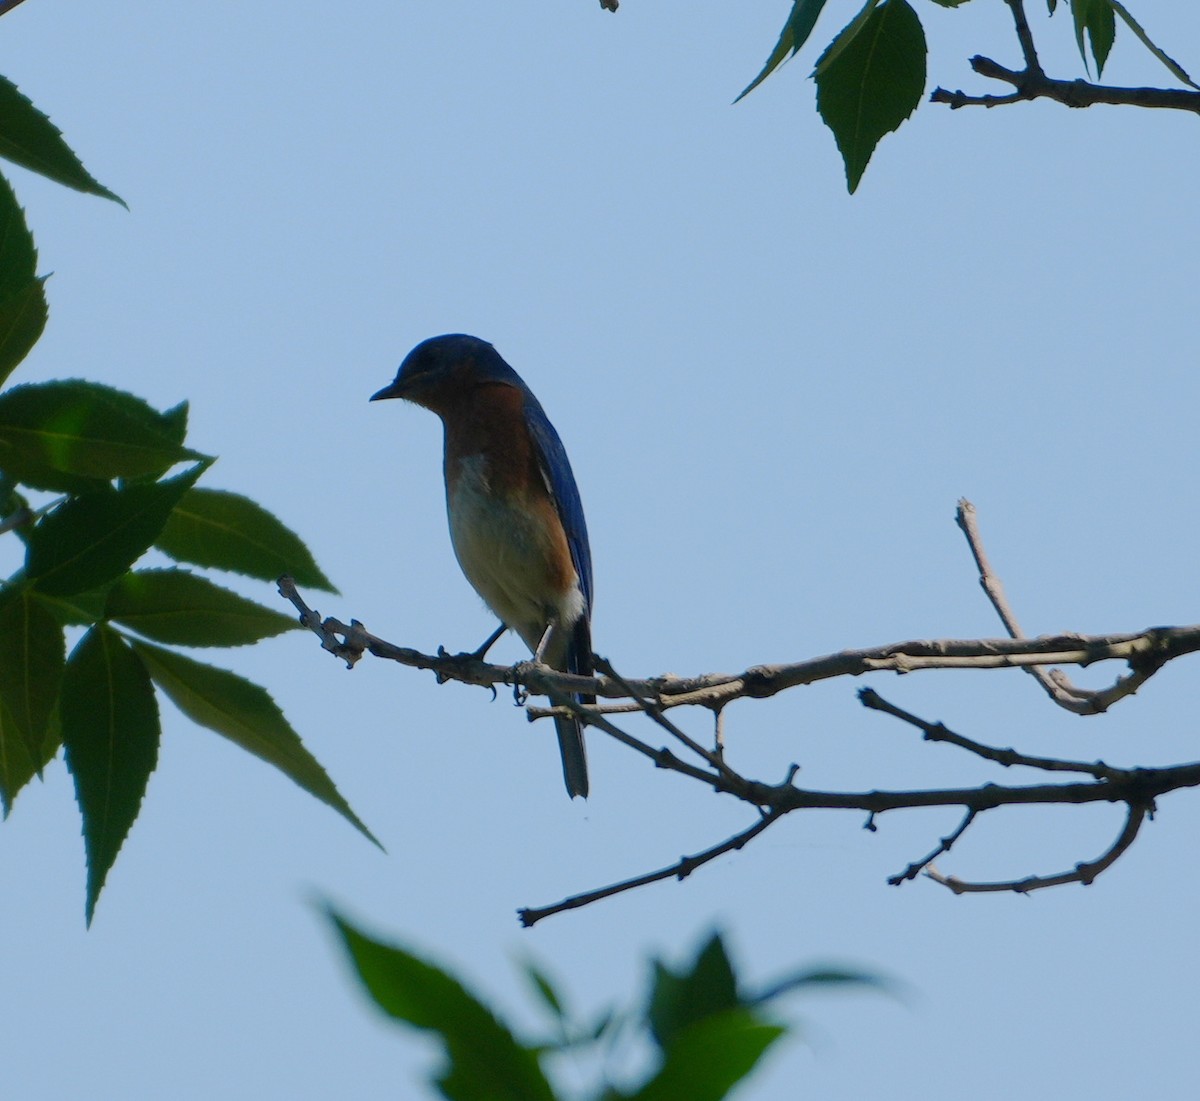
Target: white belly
[[506, 556]]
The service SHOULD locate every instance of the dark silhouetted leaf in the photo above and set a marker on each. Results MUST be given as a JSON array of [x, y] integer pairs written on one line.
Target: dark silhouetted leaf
[[485, 1061], [1175, 68], [1097, 19], [30, 139], [226, 531], [32, 655], [680, 999], [867, 86], [178, 607], [795, 33], [708, 1058], [94, 538], [110, 731], [22, 297], [86, 429], [17, 765], [246, 715], [22, 319], [78, 609]]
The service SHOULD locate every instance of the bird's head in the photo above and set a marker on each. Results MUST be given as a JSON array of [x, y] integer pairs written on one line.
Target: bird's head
[[441, 368]]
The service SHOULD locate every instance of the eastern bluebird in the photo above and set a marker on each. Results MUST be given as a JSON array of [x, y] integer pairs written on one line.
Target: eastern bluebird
[[516, 520]]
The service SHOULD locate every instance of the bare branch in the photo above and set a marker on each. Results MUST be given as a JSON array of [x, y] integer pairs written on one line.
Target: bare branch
[[1084, 873], [939, 732], [680, 870], [944, 846], [1033, 83], [1058, 686]]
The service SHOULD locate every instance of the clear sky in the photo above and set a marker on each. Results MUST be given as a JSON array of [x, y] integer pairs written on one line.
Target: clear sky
[[772, 394]]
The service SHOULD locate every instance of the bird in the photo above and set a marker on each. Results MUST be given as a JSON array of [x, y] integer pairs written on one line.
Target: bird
[[516, 519]]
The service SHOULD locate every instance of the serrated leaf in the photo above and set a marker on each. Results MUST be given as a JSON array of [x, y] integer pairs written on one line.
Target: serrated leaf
[[680, 999], [847, 35], [86, 429], [96, 537], [1171, 64], [22, 320], [110, 732], [32, 655], [17, 765], [18, 257], [245, 714], [869, 86], [22, 297], [178, 607], [706, 1060], [799, 25], [485, 1060], [226, 531], [1097, 19], [30, 139]]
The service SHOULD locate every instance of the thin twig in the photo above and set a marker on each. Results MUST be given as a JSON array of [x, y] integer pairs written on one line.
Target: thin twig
[[654, 709], [681, 869], [939, 732], [944, 846], [1084, 873]]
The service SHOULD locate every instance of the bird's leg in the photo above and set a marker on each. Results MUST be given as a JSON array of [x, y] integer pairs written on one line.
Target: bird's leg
[[539, 654], [481, 652]]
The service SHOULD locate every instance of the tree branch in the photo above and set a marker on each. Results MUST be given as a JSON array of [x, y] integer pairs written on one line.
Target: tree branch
[[1146, 652], [1084, 873], [681, 869], [1032, 82]]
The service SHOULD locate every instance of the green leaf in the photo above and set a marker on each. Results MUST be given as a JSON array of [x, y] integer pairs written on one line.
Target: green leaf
[[22, 296], [871, 84], [226, 531], [950, 3], [679, 1000], [485, 1060], [822, 977], [846, 36], [110, 731], [710, 1057], [795, 33], [22, 319], [32, 655], [178, 607], [78, 609], [544, 988], [30, 139], [17, 765], [245, 714], [1175, 68], [96, 537], [87, 429], [1096, 17]]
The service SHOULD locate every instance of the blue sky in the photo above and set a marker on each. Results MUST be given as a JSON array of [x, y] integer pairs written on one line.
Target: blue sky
[[772, 394]]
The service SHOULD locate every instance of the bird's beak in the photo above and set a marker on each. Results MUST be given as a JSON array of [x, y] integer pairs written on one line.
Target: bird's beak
[[394, 389]]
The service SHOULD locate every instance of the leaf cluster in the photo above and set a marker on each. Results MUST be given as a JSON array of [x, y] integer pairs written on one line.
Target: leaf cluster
[[92, 481], [707, 1032], [871, 75]]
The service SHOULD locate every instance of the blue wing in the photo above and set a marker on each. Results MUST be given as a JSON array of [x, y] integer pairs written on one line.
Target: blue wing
[[557, 469]]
